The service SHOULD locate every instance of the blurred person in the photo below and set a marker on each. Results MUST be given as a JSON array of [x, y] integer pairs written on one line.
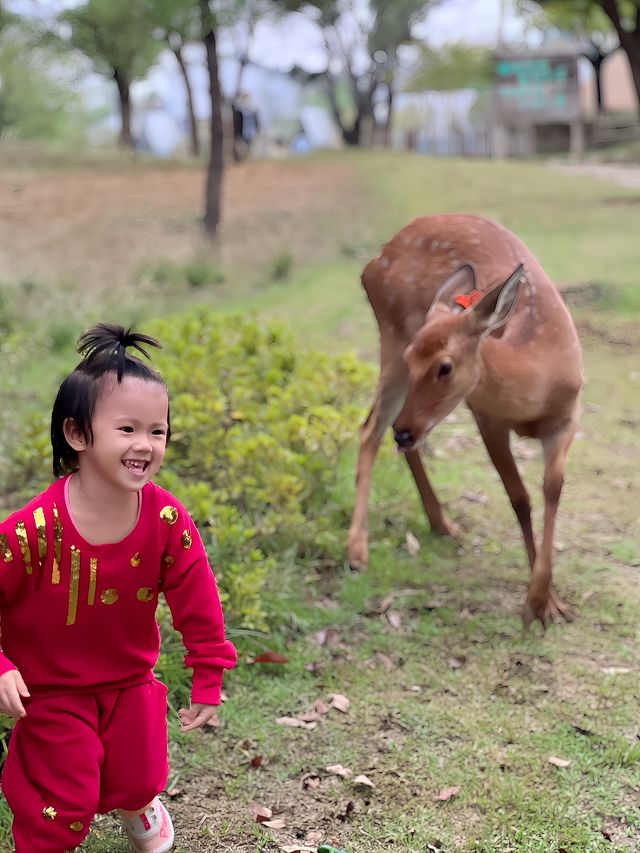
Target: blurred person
[[81, 567], [246, 126]]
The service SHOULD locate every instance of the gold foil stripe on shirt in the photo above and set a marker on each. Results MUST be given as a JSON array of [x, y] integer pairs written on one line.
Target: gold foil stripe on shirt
[[93, 576], [41, 526], [23, 541], [57, 546], [7, 556], [74, 583]]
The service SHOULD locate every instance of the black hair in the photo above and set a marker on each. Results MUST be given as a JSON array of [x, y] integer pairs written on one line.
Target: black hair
[[103, 348]]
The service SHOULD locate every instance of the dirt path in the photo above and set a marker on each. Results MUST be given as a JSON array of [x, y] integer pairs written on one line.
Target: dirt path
[[622, 175], [94, 226]]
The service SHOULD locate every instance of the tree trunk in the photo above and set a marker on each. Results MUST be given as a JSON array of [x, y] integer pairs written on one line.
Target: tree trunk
[[389, 122], [596, 63], [124, 85], [193, 126], [629, 39], [215, 170]]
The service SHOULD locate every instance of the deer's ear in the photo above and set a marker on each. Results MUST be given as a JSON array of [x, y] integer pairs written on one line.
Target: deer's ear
[[497, 305], [461, 282]]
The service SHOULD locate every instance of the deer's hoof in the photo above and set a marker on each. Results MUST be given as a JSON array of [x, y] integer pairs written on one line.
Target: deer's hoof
[[358, 552], [446, 527], [548, 610]]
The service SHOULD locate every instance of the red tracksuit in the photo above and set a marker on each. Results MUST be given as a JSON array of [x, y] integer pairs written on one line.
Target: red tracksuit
[[78, 622]]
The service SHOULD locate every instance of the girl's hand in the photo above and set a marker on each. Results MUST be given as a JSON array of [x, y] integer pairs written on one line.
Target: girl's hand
[[12, 688], [196, 716]]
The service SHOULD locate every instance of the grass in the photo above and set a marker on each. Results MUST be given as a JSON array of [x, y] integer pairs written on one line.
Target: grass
[[446, 690]]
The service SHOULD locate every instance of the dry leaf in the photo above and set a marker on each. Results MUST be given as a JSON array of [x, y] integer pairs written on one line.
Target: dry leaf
[[394, 619], [385, 660], [558, 762], [261, 813], [295, 723], [339, 702], [309, 717], [311, 781], [363, 780], [277, 823], [455, 663], [413, 546], [321, 707], [174, 792], [474, 497], [256, 761], [339, 770], [269, 657], [615, 670], [446, 793], [297, 848]]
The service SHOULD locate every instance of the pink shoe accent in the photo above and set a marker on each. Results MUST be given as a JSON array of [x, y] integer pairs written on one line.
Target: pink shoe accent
[[151, 831]]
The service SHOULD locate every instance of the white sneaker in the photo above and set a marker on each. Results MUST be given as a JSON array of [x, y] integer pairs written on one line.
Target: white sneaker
[[151, 831]]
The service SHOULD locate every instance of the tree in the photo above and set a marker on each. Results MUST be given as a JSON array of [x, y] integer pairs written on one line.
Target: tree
[[362, 43], [625, 17], [115, 36], [177, 22], [454, 66]]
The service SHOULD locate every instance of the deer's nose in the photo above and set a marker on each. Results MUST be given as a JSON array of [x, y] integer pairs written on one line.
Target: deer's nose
[[403, 438]]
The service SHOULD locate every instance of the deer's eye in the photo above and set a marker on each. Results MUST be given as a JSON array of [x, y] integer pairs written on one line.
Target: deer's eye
[[445, 369]]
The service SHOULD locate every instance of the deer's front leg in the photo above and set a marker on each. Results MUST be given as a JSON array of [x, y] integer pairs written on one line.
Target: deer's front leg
[[542, 603], [392, 389], [438, 519]]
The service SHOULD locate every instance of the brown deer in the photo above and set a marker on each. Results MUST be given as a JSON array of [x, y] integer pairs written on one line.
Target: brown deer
[[448, 333]]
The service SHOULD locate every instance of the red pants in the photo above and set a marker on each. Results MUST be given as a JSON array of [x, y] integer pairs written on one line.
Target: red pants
[[75, 755]]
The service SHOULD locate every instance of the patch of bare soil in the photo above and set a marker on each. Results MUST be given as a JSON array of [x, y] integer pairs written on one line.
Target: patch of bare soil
[[95, 225]]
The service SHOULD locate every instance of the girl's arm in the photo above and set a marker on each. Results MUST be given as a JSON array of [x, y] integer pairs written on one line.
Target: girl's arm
[[192, 595]]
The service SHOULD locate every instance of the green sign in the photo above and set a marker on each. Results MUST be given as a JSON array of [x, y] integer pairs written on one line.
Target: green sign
[[536, 89]]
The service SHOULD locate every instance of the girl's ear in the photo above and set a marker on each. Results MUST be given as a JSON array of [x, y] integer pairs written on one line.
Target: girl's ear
[[74, 437]]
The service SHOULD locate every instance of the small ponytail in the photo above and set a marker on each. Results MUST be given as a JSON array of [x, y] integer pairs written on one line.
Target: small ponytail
[[103, 348], [104, 342]]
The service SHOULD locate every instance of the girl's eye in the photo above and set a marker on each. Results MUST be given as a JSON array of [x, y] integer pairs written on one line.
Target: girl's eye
[[126, 429], [159, 432]]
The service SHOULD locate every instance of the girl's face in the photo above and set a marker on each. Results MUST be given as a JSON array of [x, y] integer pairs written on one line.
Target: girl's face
[[129, 434]]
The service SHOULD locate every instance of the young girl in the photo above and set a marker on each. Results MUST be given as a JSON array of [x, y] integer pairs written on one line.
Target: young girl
[[81, 567]]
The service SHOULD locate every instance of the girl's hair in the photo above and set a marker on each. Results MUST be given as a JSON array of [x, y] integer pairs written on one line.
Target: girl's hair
[[103, 348]]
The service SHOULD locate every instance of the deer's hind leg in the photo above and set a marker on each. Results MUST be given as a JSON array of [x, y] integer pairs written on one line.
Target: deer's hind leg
[[542, 603]]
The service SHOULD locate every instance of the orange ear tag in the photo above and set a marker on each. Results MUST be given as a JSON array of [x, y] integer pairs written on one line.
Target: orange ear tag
[[466, 300]]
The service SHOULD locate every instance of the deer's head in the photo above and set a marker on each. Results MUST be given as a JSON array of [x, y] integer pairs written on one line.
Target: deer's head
[[443, 358]]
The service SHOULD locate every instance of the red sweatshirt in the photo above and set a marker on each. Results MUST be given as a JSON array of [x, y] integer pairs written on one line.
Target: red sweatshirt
[[76, 617]]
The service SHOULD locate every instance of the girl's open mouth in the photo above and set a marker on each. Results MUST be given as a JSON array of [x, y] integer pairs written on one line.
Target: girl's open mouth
[[136, 466]]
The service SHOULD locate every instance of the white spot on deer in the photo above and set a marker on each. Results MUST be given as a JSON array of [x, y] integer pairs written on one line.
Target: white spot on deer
[[384, 262], [434, 245]]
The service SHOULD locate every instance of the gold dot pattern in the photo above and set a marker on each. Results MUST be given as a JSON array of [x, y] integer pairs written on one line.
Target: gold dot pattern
[[135, 560], [169, 514], [109, 596], [186, 539], [145, 593]]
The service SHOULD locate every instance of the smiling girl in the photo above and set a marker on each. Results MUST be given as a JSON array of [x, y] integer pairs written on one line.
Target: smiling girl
[[81, 567]]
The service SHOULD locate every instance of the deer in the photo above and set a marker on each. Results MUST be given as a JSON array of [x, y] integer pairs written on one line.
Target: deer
[[466, 312]]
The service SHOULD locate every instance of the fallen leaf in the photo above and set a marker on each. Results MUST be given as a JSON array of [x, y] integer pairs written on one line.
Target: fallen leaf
[[339, 770], [269, 657], [310, 717], [295, 723], [321, 707], [339, 702], [558, 762], [385, 660], [615, 670], [394, 619], [447, 793], [261, 813], [455, 663], [256, 761], [277, 823], [474, 497], [174, 792], [413, 546], [363, 780], [297, 848], [311, 781]]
